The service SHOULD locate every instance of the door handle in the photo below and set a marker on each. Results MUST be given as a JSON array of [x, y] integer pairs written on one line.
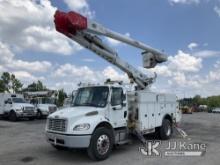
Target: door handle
[[125, 114]]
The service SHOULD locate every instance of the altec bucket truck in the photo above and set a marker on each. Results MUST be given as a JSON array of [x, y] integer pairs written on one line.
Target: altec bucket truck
[[106, 115]]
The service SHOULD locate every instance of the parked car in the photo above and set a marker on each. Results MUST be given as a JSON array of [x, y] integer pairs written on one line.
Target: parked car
[[216, 110]]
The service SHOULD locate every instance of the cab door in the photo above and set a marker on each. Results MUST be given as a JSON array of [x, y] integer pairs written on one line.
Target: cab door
[[8, 105], [118, 108]]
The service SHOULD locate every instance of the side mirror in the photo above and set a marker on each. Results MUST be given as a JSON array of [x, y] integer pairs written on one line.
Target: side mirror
[[117, 107], [123, 104]]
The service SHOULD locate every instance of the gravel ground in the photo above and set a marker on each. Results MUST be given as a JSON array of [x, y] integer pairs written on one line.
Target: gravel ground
[[24, 142]]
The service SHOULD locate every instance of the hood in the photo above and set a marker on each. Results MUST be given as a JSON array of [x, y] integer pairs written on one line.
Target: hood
[[73, 112], [46, 105], [21, 105]]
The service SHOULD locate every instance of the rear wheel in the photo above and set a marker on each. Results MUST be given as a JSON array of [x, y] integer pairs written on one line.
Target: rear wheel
[[12, 116], [166, 130], [101, 144]]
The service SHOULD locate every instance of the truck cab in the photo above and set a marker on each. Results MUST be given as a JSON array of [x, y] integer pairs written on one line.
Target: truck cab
[[104, 115], [44, 106], [14, 106]]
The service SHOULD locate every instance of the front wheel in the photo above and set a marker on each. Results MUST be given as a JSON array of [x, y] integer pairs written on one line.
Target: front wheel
[[166, 130], [12, 116], [101, 144]]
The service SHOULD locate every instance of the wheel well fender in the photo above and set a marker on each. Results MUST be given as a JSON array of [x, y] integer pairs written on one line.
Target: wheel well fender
[[168, 117], [106, 125], [12, 110]]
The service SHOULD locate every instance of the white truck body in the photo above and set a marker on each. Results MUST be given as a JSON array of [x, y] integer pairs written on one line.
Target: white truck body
[[144, 109], [15, 103], [45, 108], [44, 102]]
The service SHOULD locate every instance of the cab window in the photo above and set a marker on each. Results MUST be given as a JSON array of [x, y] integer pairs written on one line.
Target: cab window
[[117, 96]]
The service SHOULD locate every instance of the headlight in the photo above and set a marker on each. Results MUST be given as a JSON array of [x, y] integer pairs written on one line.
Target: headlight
[[81, 127], [19, 110]]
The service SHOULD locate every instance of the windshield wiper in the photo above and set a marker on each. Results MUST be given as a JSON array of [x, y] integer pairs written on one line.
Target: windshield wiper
[[89, 104]]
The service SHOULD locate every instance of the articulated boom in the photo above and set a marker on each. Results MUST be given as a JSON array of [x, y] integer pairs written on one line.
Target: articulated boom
[[84, 32]]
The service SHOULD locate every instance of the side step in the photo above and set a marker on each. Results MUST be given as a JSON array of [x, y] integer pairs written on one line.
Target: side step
[[122, 136], [127, 141]]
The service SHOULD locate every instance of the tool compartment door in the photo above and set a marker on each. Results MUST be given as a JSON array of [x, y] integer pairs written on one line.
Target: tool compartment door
[[147, 111]]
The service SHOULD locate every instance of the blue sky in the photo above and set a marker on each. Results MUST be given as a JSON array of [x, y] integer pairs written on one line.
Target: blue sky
[[187, 30]]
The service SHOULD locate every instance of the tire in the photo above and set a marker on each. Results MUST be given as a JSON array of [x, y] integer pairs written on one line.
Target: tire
[[101, 144], [12, 116], [166, 130], [39, 114], [59, 148]]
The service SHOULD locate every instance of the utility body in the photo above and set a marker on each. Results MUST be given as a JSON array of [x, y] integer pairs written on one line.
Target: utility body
[[102, 116], [44, 102], [14, 106]]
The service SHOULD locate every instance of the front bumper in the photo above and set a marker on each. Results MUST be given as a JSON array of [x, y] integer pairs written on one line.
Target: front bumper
[[20, 115], [45, 113], [68, 140]]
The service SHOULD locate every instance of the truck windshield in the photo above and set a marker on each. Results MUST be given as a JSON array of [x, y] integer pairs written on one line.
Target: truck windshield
[[92, 96], [46, 100], [18, 100]]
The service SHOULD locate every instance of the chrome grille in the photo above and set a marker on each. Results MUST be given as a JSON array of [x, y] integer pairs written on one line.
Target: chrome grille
[[28, 110], [57, 125]]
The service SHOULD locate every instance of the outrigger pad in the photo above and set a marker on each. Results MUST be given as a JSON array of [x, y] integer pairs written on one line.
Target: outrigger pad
[[69, 23]]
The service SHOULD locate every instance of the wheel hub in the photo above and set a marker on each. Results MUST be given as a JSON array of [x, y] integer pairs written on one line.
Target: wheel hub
[[168, 130], [103, 144]]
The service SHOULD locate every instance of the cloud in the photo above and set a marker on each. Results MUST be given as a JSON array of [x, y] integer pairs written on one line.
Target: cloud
[[214, 75], [9, 62], [184, 62], [80, 6], [192, 45], [68, 75], [217, 10], [110, 72], [184, 1], [28, 25], [207, 53], [24, 76], [114, 42], [180, 71], [174, 77]]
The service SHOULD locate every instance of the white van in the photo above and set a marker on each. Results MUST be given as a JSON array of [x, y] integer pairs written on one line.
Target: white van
[[13, 106]]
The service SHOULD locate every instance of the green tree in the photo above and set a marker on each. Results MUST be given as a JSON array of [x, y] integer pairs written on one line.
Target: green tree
[[16, 85], [61, 97], [35, 86], [9, 82], [6, 80], [2, 86]]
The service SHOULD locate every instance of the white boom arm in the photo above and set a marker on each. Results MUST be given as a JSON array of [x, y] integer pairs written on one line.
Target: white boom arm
[[84, 32]]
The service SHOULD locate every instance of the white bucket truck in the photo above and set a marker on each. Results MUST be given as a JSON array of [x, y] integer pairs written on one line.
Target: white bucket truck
[[105, 115], [14, 106], [44, 102]]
